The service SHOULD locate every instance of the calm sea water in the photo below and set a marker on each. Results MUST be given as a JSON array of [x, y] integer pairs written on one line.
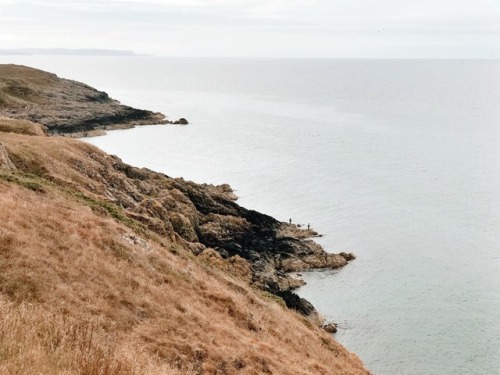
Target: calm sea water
[[397, 161]]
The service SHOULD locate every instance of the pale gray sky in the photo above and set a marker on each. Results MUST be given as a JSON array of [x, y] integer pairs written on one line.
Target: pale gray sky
[[259, 28]]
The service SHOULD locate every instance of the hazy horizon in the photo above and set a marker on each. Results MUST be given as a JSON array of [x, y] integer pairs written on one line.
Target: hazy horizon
[[258, 28], [102, 52]]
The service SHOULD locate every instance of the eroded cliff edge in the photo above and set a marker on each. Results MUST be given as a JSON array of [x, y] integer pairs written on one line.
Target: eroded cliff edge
[[203, 218]]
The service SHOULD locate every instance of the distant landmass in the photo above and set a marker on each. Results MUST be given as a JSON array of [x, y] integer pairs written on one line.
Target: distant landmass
[[66, 52]]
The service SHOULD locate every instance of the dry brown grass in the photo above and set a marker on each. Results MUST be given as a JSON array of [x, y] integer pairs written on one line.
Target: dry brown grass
[[78, 297], [21, 85], [9, 125], [36, 341]]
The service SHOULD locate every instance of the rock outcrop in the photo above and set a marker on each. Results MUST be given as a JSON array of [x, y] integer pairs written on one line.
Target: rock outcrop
[[181, 121], [64, 106], [87, 288], [330, 327], [201, 217]]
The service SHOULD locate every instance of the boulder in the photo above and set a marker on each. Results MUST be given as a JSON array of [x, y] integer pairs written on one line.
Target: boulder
[[181, 121], [330, 327]]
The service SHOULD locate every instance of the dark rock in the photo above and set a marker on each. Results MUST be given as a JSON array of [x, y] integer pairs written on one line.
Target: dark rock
[[181, 121], [347, 256], [330, 327], [295, 302]]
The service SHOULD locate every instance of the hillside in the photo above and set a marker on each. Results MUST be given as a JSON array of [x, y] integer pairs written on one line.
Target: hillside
[[62, 105], [110, 269]]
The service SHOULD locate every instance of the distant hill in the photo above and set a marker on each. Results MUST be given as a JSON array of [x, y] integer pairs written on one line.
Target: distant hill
[[66, 52], [62, 105]]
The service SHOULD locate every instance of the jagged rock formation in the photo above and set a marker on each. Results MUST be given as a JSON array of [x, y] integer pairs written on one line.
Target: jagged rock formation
[[64, 106]]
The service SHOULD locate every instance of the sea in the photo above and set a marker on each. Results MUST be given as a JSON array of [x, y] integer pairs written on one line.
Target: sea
[[397, 161]]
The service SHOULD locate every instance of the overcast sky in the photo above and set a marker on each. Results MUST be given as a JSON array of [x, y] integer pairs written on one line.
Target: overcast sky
[[259, 28]]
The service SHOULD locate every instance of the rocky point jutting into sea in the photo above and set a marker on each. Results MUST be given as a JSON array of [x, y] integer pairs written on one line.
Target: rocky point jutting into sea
[[203, 216], [67, 107], [202, 219]]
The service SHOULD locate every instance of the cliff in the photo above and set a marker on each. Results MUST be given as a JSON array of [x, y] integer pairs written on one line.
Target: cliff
[[180, 277], [64, 106]]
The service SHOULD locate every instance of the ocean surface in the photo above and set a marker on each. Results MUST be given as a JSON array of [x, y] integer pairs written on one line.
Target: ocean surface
[[397, 161]]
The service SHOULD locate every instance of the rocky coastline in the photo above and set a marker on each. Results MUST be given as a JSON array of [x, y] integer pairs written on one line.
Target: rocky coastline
[[67, 107], [203, 218]]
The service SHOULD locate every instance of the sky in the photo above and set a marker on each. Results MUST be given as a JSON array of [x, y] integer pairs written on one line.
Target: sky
[[259, 28]]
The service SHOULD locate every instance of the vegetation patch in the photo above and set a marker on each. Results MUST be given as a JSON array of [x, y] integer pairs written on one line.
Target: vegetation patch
[[26, 180], [42, 185]]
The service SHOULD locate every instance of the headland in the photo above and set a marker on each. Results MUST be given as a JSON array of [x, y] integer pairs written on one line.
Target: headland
[[176, 272]]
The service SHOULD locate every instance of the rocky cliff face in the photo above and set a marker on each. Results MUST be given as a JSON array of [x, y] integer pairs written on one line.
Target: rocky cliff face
[[201, 217], [85, 287], [64, 106]]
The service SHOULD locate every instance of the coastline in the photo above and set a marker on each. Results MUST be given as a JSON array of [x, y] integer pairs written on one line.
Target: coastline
[[346, 185], [273, 249], [201, 218], [98, 131], [208, 221], [67, 107]]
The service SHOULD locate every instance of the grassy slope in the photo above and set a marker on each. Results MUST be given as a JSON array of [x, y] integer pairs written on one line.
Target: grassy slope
[[9, 125], [83, 291], [20, 85]]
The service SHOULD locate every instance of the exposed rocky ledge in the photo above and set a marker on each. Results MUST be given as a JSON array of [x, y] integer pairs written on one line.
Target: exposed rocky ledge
[[66, 107]]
